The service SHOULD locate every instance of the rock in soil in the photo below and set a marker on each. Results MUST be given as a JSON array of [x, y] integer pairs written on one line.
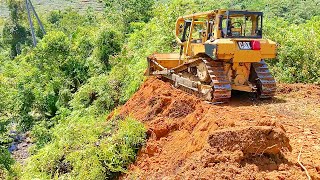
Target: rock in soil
[[251, 140]]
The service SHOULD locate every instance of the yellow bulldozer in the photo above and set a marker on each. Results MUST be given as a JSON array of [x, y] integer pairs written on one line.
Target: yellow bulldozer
[[220, 51]]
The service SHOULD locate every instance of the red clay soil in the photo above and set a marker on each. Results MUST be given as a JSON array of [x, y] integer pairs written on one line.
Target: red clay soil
[[190, 139]]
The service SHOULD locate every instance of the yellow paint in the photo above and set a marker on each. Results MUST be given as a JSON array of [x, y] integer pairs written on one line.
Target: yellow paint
[[197, 48]]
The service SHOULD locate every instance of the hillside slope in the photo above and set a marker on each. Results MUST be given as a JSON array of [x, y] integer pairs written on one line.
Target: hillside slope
[[44, 6], [184, 130]]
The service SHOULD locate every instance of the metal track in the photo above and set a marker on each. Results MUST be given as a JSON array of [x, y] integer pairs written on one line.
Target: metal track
[[220, 84], [219, 80], [265, 82]]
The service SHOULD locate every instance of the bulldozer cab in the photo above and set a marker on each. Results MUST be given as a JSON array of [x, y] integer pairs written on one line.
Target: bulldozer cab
[[241, 24], [223, 24], [197, 29], [198, 34]]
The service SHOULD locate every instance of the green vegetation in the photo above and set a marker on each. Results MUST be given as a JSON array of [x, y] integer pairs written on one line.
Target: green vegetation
[[298, 54], [82, 152], [88, 64]]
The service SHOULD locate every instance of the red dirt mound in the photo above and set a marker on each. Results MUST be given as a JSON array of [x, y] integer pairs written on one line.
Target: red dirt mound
[[251, 140], [190, 139]]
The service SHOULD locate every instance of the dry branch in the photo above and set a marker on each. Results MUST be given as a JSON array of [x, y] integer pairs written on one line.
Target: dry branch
[[302, 166]]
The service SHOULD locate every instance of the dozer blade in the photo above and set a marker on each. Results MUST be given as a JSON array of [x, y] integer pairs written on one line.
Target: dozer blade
[[218, 90]]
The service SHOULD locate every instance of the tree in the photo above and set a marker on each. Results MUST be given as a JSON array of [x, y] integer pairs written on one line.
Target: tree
[[13, 32], [127, 11]]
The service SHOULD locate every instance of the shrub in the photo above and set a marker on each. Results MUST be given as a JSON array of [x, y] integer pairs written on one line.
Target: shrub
[[107, 44], [5, 159], [41, 134], [88, 149], [96, 96]]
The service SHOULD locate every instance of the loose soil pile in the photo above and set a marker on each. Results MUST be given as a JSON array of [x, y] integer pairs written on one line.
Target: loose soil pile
[[250, 140], [190, 139]]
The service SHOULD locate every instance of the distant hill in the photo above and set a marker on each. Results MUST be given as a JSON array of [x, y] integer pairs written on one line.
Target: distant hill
[[49, 5], [4, 12]]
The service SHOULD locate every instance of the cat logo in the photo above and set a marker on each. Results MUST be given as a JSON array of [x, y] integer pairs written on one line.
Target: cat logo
[[244, 45]]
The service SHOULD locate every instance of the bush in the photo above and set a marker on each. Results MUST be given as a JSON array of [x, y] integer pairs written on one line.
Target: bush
[[88, 149], [96, 96], [5, 159], [107, 44], [125, 12], [41, 134]]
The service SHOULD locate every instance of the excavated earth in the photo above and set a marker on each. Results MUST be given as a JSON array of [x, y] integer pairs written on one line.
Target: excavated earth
[[244, 139]]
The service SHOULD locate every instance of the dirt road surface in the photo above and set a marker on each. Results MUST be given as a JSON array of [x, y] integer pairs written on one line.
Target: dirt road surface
[[245, 139]]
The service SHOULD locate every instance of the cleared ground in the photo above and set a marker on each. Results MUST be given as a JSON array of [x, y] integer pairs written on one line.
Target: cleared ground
[[190, 139]]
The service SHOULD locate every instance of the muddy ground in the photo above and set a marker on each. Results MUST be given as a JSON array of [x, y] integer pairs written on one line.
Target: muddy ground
[[245, 139]]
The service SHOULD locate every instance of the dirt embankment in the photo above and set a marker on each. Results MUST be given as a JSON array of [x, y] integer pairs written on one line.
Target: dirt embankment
[[190, 139]]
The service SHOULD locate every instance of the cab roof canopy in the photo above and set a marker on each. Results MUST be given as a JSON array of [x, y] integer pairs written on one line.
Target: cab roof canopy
[[213, 13]]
